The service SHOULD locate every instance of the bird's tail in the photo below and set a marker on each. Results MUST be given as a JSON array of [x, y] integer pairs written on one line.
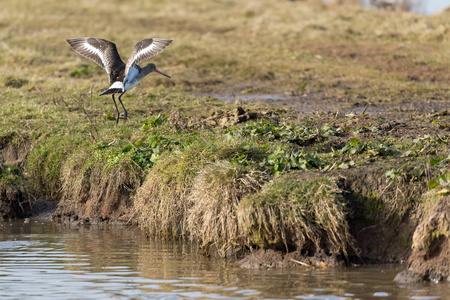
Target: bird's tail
[[111, 91], [116, 88]]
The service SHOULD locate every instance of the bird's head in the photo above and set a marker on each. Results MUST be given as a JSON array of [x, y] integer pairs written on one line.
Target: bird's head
[[152, 68]]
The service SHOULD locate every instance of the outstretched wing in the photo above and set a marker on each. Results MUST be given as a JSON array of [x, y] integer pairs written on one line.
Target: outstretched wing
[[101, 51], [144, 50]]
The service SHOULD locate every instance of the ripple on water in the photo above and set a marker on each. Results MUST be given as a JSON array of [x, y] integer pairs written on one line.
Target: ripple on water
[[59, 263], [10, 245], [322, 297]]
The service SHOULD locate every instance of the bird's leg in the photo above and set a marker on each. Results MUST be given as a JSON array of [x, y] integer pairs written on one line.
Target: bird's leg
[[125, 114], [118, 113]]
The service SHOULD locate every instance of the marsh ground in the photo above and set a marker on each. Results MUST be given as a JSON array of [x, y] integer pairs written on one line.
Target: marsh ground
[[329, 56], [349, 102]]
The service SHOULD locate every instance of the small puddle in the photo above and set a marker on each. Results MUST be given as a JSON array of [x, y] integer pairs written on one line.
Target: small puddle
[[250, 97], [308, 103]]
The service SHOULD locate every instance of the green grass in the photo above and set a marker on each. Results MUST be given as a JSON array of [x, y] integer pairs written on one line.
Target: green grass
[[174, 150], [297, 212]]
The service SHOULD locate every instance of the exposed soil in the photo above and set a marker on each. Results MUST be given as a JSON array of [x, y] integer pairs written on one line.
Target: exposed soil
[[95, 197], [317, 102], [383, 215], [430, 258], [339, 75], [14, 149], [14, 203], [382, 219]]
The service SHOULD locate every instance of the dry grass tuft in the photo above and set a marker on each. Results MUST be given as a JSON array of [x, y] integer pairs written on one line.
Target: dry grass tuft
[[92, 189], [215, 196], [161, 202], [178, 120], [299, 213]]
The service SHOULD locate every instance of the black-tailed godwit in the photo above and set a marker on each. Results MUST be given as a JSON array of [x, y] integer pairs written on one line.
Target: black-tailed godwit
[[122, 77]]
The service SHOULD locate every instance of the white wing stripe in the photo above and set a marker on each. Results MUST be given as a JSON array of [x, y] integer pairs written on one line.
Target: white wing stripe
[[142, 52], [95, 51], [152, 48]]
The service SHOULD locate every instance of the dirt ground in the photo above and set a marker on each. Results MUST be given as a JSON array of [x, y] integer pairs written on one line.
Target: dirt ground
[[308, 103]]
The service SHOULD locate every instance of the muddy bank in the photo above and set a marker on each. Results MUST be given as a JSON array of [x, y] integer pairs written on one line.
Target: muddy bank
[[15, 201], [430, 257], [317, 102], [280, 189], [335, 127], [380, 216]]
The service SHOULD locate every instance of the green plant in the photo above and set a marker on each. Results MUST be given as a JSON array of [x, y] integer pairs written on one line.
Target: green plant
[[144, 154], [369, 148], [440, 162], [282, 132], [406, 172], [159, 120], [84, 70], [427, 144], [282, 160], [9, 175], [442, 182]]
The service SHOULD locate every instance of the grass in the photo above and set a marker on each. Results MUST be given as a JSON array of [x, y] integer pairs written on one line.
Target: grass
[[162, 201], [45, 161], [229, 174], [334, 50], [15, 199], [93, 188], [214, 199], [306, 214]]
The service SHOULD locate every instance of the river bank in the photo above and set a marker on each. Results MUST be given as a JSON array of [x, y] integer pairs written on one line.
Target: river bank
[[346, 188], [347, 166]]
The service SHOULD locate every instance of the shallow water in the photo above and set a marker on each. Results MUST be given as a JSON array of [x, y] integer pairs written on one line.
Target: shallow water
[[43, 260], [248, 97]]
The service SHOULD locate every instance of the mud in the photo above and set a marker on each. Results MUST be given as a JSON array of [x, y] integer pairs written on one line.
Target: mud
[[383, 213], [225, 119], [14, 149], [430, 258], [98, 195], [384, 216], [14, 203], [319, 102]]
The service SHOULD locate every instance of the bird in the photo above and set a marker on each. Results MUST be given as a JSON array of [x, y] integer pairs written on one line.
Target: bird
[[122, 77]]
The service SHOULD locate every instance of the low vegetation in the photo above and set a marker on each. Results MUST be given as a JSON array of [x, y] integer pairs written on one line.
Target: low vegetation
[[360, 131], [297, 213]]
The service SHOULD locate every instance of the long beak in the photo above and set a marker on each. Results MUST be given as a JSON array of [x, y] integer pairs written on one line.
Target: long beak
[[159, 72]]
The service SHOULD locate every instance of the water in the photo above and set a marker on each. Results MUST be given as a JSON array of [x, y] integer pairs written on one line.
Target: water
[[42, 260], [247, 97], [426, 7]]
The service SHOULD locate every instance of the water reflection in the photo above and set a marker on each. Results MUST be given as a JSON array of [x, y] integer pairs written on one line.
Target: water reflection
[[45, 260]]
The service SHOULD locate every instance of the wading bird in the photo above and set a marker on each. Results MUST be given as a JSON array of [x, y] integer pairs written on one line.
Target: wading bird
[[122, 77]]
